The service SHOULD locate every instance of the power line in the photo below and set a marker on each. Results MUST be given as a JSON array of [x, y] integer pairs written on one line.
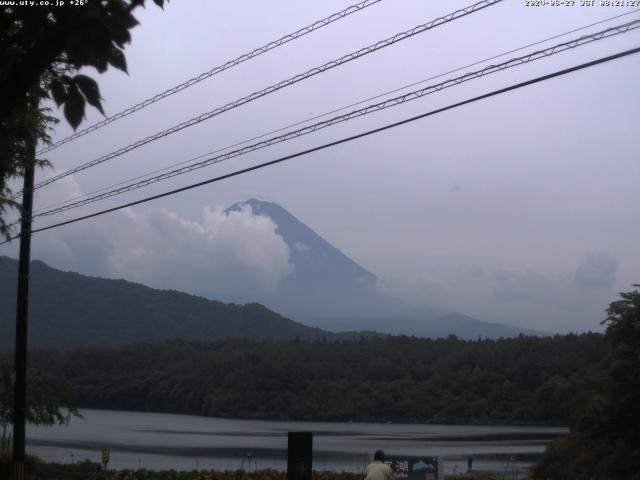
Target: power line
[[537, 55], [349, 139], [316, 117], [214, 71], [278, 86], [598, 35]]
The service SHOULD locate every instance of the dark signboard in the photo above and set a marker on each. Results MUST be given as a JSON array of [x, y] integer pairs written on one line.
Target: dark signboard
[[299, 456], [413, 468]]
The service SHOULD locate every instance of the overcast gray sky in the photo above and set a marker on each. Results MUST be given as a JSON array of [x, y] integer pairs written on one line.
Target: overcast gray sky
[[521, 209]]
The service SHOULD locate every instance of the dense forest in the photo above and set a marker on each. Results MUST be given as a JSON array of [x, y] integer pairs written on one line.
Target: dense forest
[[525, 380]]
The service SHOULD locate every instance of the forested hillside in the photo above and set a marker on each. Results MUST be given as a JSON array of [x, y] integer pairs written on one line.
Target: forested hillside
[[524, 380], [69, 310]]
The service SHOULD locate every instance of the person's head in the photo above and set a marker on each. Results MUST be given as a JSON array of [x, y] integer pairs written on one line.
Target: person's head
[[378, 456]]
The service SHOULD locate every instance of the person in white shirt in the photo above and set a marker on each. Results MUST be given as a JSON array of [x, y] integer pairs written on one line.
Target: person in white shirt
[[378, 470]]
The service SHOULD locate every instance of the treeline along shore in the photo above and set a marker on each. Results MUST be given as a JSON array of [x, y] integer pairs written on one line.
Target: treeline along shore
[[523, 381]]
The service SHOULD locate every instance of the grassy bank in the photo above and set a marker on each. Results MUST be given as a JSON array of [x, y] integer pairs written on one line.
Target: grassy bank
[[37, 470]]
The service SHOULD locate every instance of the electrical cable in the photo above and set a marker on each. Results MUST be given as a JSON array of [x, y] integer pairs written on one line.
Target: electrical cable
[[316, 117], [214, 71], [367, 133], [537, 55], [572, 43], [278, 86]]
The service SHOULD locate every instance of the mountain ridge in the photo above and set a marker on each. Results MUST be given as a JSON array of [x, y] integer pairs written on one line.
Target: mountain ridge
[[326, 292], [67, 309]]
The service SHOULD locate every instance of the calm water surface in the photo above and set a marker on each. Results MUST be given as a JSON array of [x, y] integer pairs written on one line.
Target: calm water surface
[[185, 442]]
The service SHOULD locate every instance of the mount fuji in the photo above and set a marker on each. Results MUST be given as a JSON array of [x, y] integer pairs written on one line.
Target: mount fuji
[[329, 290]]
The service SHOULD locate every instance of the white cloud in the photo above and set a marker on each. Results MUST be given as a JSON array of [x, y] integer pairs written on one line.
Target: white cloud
[[573, 300], [300, 247], [236, 256], [522, 286], [597, 270], [421, 290]]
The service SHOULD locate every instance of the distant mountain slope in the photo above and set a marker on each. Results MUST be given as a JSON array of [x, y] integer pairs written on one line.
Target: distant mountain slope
[[316, 261], [430, 326], [325, 283], [329, 290], [464, 326], [322, 277], [326, 290], [67, 309]]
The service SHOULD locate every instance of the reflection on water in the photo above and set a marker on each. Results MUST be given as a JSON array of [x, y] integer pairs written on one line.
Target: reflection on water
[[184, 442]]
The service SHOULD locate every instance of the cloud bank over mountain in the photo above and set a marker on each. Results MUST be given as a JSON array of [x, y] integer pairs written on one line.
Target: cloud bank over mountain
[[237, 256], [256, 251], [232, 255]]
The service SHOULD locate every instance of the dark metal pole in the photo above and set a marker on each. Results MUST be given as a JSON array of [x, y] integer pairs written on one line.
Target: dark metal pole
[[20, 385]]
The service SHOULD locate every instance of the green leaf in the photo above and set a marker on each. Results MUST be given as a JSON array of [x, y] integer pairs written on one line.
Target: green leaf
[[118, 60], [90, 90], [121, 36], [58, 92], [159, 3], [74, 106]]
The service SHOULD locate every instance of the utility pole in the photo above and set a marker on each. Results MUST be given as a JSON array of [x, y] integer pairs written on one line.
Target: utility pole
[[20, 362]]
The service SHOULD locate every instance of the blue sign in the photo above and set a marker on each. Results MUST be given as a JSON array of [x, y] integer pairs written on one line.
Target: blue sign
[[413, 468]]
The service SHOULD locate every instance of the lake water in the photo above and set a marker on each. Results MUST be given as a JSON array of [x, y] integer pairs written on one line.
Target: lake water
[[185, 442]]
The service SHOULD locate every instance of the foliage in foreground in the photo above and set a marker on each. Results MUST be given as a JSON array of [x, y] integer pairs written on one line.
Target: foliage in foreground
[[604, 442], [41, 51], [45, 401]]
